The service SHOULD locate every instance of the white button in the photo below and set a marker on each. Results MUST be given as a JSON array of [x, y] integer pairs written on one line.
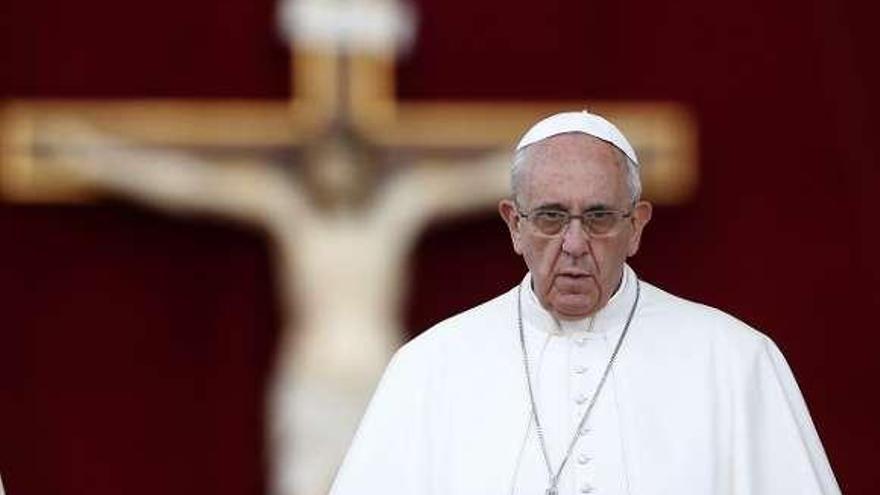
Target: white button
[[583, 459], [581, 399], [583, 431], [580, 370], [586, 489], [581, 341]]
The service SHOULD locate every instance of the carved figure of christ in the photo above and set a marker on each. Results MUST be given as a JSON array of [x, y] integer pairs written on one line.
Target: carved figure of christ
[[341, 271]]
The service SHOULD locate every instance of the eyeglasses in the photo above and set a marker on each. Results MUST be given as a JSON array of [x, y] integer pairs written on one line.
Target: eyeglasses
[[596, 223]]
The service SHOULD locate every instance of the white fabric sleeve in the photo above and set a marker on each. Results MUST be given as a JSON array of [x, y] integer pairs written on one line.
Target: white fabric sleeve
[[389, 453], [776, 447]]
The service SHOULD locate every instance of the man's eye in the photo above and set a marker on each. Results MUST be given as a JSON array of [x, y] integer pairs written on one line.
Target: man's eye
[[550, 216], [600, 215]]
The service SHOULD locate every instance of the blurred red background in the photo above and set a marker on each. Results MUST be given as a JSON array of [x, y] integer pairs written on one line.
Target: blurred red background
[[134, 346]]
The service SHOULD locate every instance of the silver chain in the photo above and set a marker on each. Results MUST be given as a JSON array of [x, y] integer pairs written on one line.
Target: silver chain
[[554, 477]]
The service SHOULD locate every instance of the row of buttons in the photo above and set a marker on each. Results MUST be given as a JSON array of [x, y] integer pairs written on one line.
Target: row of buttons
[[581, 399], [583, 460]]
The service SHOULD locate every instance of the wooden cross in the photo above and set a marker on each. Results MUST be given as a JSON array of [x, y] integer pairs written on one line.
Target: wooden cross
[[343, 103], [352, 98]]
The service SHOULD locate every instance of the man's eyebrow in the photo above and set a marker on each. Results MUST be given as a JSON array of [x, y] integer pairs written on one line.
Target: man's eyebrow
[[562, 207], [551, 207], [599, 207]]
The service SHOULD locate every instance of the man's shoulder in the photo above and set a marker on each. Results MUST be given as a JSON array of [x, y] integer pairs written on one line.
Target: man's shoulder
[[480, 324], [698, 322]]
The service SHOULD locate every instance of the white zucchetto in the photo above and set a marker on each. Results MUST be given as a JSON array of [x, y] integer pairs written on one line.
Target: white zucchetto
[[583, 122]]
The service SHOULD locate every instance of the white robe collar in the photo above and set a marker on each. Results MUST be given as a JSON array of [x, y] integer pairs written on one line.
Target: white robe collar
[[609, 320]]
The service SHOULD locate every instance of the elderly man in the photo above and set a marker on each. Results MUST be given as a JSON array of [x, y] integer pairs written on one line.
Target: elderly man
[[583, 378]]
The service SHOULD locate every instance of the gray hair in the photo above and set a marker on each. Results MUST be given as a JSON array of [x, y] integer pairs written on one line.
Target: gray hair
[[633, 180]]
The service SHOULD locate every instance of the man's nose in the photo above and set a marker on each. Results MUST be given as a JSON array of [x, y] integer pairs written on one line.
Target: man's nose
[[575, 240]]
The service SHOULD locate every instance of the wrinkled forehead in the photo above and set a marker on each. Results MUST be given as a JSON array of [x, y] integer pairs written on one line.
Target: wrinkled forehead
[[570, 147], [573, 167]]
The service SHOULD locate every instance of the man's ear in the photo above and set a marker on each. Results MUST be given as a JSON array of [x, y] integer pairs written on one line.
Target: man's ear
[[510, 215], [641, 216]]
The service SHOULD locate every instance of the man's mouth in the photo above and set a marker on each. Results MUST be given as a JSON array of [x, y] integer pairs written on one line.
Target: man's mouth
[[573, 282], [573, 274]]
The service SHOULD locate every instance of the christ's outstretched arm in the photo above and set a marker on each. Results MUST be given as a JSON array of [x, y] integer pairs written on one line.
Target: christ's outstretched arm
[[429, 190], [176, 181]]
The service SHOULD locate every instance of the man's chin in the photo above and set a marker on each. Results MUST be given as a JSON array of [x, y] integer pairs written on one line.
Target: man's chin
[[578, 307]]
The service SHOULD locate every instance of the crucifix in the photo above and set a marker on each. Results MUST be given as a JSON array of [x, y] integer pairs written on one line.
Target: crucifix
[[371, 171]]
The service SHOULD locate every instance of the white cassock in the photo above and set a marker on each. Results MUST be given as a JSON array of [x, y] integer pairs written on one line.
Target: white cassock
[[697, 402]]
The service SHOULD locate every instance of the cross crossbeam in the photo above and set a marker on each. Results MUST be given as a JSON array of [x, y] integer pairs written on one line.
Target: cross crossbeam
[[334, 91]]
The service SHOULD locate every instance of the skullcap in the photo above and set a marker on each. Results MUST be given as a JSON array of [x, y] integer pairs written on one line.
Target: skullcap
[[583, 122]]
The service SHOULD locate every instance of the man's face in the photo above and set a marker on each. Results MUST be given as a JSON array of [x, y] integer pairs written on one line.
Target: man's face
[[574, 274]]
